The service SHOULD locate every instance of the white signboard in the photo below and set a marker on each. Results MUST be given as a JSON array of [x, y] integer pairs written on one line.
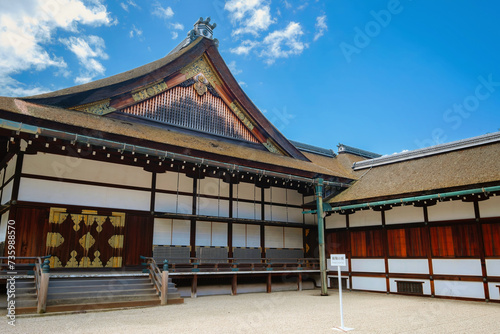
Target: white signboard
[[337, 260]]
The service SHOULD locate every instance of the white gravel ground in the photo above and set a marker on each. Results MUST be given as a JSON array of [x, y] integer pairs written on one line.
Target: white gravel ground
[[279, 312]]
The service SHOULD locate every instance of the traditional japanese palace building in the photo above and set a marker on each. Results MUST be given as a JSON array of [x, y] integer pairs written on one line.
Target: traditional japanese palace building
[[173, 161]]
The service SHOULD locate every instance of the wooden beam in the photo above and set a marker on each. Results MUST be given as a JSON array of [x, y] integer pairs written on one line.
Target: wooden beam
[[268, 285], [429, 249], [234, 285], [480, 241], [194, 286]]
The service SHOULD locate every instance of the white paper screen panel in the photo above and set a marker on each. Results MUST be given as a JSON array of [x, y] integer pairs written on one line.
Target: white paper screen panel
[[294, 197], [11, 166], [451, 210], [239, 235], [310, 219], [3, 226], [273, 237], [247, 191], [295, 215], [69, 167], [2, 172], [219, 234], [181, 232], [404, 214], [490, 207], [173, 203], [34, 190], [336, 220], [7, 192], [213, 186], [169, 181], [212, 207], [365, 218], [162, 231], [293, 237], [203, 233], [275, 195], [246, 210]]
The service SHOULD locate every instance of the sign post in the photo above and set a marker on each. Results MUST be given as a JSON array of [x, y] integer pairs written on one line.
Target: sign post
[[339, 261]]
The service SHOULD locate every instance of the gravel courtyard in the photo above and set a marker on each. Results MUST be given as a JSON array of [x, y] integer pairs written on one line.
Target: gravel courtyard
[[279, 312]]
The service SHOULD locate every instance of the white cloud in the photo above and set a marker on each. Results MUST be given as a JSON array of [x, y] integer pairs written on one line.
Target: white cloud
[[242, 83], [287, 4], [26, 27], [250, 16], [174, 34], [135, 32], [232, 67], [244, 48], [177, 26], [283, 43], [164, 13], [87, 49], [321, 27], [126, 5]]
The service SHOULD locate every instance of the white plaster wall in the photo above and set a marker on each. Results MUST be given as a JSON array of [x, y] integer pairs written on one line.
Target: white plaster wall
[[494, 291], [451, 210], [212, 207], [368, 283], [253, 235], [275, 195], [246, 210], [273, 237], [7, 192], [293, 237], [365, 218], [409, 266], [172, 203], [490, 207], [426, 286], [239, 235], [162, 231], [11, 167], [368, 265], [336, 220], [181, 232], [3, 226], [466, 267], [493, 267], [69, 167], [43, 191], [276, 213], [212, 186], [169, 181], [404, 214], [459, 289]]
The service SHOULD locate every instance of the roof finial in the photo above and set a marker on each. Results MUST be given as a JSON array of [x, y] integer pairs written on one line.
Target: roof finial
[[203, 28]]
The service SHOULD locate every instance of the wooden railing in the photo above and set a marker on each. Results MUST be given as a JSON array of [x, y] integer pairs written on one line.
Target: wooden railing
[[23, 265], [180, 265], [159, 278]]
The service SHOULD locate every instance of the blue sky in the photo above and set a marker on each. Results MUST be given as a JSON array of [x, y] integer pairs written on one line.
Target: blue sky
[[384, 76]]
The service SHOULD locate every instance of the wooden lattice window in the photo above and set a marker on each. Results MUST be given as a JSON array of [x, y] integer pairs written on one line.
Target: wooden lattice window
[[182, 106], [411, 287]]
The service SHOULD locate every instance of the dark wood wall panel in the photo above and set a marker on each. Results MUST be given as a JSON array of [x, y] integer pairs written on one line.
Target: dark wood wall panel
[[336, 242], [367, 243], [31, 230], [491, 235], [138, 239], [407, 242], [455, 241]]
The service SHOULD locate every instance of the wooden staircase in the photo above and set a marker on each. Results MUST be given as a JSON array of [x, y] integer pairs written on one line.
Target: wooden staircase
[[80, 293]]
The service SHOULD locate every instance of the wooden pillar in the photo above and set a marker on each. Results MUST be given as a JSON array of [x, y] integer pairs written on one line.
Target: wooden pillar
[[268, 285], [262, 227], [429, 249], [234, 285], [44, 288], [479, 231], [17, 177], [194, 286], [164, 287], [192, 241], [386, 252], [230, 224], [153, 193], [299, 283], [349, 250]]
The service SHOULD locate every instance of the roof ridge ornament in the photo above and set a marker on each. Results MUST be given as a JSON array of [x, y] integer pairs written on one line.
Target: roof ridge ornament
[[203, 28]]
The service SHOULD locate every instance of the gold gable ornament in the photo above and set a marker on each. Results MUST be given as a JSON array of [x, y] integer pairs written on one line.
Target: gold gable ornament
[[200, 85], [99, 108]]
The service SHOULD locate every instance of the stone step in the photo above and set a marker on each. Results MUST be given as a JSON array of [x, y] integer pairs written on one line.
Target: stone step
[[100, 294], [53, 282], [99, 288], [74, 300]]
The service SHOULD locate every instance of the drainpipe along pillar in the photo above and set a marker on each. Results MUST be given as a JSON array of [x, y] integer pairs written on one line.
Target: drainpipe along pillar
[[321, 236]]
